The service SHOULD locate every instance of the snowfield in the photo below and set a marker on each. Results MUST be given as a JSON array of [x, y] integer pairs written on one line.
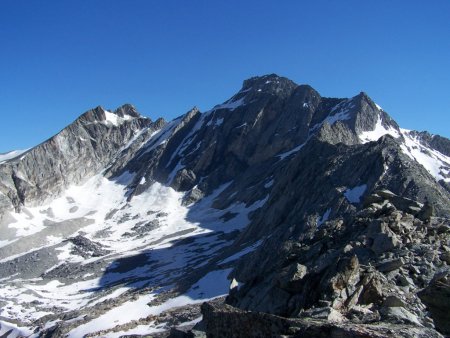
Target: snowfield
[[148, 245], [437, 164], [380, 130]]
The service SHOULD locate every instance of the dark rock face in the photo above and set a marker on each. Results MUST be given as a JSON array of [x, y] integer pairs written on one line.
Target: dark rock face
[[436, 296], [86, 248], [226, 321], [366, 270]]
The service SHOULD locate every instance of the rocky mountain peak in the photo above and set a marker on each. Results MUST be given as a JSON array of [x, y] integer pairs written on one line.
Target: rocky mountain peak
[[192, 112], [159, 123], [363, 99], [92, 115], [110, 117], [46, 170], [127, 110], [271, 83], [305, 112]]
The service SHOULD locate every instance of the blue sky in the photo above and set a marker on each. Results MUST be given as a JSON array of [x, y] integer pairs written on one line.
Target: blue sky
[[61, 58]]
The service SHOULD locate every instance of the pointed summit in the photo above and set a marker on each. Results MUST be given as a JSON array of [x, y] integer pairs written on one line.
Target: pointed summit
[[74, 154], [127, 110], [93, 115], [107, 117]]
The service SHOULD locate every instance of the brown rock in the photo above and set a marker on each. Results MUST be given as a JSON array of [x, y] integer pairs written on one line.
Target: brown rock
[[372, 293]]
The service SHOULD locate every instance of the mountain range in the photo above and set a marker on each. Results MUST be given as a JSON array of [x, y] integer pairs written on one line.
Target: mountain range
[[283, 212]]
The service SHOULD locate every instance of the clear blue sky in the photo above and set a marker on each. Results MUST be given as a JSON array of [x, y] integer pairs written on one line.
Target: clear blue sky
[[61, 58]]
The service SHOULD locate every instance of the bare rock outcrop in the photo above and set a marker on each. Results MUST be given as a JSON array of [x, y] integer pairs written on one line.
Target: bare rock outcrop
[[379, 273]]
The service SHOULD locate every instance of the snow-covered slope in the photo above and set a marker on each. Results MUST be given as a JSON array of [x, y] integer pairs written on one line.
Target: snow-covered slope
[[380, 130], [69, 277], [12, 154], [436, 163]]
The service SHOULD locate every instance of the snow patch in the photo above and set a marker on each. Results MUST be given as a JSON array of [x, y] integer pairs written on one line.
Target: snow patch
[[342, 115], [231, 105], [121, 314], [340, 112], [235, 284], [217, 122], [6, 242], [14, 330], [354, 195], [379, 131], [114, 119], [436, 163], [125, 178], [111, 118], [324, 217], [282, 156], [241, 253], [197, 146], [212, 285], [268, 184]]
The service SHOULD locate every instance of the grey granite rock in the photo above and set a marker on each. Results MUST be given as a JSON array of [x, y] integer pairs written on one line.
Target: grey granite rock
[[93, 140], [437, 298], [227, 321]]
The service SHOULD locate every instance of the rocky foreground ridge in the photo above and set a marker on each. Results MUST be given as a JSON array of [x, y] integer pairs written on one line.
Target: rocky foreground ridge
[[382, 273], [310, 216]]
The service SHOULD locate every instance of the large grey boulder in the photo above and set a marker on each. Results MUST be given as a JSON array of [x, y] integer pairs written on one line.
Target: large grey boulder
[[436, 297]]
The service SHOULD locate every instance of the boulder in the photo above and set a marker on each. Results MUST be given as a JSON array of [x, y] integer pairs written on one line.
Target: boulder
[[290, 278], [384, 242], [390, 265], [372, 292], [398, 314], [327, 313], [393, 301], [436, 296], [426, 212]]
